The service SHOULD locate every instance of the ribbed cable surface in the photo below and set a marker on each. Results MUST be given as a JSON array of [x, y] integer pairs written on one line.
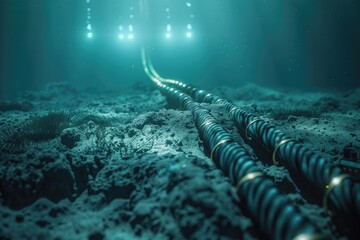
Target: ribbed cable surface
[[345, 197], [269, 208]]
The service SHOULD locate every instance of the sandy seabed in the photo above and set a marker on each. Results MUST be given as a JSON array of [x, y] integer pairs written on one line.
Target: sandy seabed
[[78, 165]]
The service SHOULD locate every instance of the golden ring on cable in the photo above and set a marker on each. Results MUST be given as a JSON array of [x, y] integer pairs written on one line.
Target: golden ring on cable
[[232, 109], [186, 99], [206, 123], [193, 90], [217, 145], [220, 99], [246, 178], [186, 103], [336, 181], [247, 127], [196, 109], [207, 95], [282, 142], [315, 236]]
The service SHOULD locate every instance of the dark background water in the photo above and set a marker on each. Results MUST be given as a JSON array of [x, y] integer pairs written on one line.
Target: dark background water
[[299, 44]]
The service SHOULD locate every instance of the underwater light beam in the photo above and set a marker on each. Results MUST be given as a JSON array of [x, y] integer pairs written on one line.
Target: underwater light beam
[[168, 31], [189, 26], [88, 19]]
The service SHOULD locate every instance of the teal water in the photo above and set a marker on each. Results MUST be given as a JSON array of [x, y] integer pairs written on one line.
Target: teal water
[[288, 44]]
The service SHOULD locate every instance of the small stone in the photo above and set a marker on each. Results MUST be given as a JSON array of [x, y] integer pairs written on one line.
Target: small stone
[[131, 133], [69, 137]]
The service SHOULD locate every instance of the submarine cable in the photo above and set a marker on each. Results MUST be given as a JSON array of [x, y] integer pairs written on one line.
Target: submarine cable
[[339, 191], [274, 213]]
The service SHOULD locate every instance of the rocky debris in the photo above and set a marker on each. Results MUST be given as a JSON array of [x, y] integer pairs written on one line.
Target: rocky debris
[[152, 192], [123, 167], [327, 104], [28, 177], [153, 118], [69, 137]]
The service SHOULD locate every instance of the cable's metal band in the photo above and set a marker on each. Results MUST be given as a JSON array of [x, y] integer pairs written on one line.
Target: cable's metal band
[[186, 103], [206, 123], [247, 127], [185, 98], [219, 100], [217, 145], [336, 181], [282, 142], [196, 109], [232, 109], [246, 178], [207, 95], [315, 236], [192, 91]]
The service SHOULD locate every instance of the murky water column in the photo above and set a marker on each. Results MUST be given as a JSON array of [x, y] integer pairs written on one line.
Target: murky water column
[[127, 31], [189, 26], [89, 29]]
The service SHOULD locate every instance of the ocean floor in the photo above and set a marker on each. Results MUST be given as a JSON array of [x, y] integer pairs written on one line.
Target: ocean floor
[[78, 165]]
